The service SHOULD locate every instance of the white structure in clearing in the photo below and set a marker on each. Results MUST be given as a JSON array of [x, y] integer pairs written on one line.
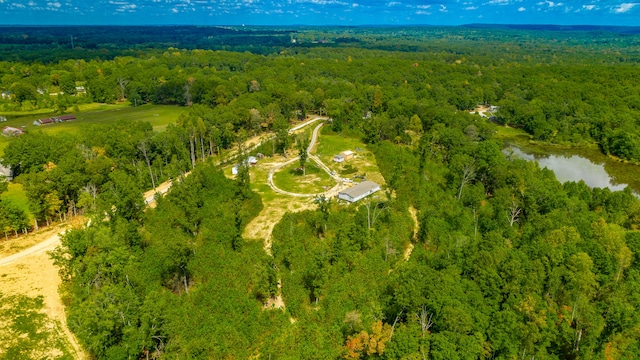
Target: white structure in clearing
[[251, 161], [359, 191]]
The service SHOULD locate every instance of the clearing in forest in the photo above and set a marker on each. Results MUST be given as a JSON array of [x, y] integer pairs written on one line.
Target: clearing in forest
[[362, 166], [159, 116], [29, 300]]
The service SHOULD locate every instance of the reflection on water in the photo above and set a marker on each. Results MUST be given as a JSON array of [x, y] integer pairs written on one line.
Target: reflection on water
[[571, 168]]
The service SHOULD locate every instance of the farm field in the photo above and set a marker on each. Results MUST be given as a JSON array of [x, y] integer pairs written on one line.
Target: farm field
[[158, 115]]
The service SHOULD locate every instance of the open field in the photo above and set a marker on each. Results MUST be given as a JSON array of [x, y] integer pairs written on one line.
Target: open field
[[158, 115], [17, 196], [364, 164], [314, 181]]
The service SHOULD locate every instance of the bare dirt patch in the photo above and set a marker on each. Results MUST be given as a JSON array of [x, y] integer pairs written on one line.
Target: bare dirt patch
[[32, 273], [416, 227]]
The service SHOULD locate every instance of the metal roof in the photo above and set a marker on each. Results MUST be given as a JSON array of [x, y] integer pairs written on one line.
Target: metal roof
[[360, 189]]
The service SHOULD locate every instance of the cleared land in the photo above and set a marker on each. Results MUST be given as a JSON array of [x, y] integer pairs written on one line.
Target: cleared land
[[25, 277], [363, 165], [158, 115], [293, 180]]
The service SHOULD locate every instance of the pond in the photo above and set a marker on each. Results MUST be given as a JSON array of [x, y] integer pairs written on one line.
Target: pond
[[587, 164]]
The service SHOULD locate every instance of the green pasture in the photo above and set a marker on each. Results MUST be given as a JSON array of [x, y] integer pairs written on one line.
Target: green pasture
[[158, 115], [332, 144], [314, 181], [16, 195]]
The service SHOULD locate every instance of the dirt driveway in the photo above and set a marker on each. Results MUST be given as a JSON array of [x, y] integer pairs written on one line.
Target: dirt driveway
[[31, 273]]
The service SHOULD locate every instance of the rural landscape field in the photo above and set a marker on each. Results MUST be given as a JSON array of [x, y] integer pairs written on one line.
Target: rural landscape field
[[320, 192]]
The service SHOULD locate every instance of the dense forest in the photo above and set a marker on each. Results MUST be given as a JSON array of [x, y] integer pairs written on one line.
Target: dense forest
[[502, 261]]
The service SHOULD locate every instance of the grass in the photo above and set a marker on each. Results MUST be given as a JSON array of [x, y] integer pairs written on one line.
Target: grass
[[94, 113], [28, 333], [315, 180], [331, 144], [158, 115], [16, 195]]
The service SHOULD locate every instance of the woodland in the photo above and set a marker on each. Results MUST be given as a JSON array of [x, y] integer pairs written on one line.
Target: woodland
[[506, 262]]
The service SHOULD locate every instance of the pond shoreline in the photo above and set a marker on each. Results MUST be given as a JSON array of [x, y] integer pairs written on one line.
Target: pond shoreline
[[575, 162]]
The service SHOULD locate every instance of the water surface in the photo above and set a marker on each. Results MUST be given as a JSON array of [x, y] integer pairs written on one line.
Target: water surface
[[595, 169]]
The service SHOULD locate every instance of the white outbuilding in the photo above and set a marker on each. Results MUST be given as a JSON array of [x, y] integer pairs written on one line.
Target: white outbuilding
[[359, 191]]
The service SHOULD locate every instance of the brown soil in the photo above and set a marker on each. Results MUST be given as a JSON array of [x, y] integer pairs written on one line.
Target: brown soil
[[31, 273], [261, 226], [416, 226]]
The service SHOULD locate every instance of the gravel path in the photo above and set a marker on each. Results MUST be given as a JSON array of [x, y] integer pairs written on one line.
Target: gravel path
[[332, 192]]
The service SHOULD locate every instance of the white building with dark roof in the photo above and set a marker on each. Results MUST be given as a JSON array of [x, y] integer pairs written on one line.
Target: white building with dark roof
[[359, 191]]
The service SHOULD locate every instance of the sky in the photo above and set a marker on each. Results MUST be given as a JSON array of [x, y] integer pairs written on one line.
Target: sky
[[318, 12]]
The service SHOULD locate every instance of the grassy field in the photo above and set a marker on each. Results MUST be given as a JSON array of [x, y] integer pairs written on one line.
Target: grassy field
[[158, 115], [314, 181], [364, 164], [17, 196]]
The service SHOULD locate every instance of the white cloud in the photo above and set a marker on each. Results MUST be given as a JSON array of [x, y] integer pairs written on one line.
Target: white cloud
[[443, 8], [588, 7], [423, 6], [521, 9], [624, 7], [471, 8], [498, 2]]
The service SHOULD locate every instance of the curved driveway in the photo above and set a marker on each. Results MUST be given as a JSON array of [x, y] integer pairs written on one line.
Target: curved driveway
[[333, 191]]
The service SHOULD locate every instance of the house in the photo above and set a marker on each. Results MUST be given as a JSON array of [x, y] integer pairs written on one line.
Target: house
[[348, 154], [338, 158], [252, 160], [80, 90], [359, 191], [234, 169], [7, 172], [6, 95], [11, 131]]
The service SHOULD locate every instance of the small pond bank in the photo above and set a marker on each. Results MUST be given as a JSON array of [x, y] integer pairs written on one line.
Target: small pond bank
[[575, 163]]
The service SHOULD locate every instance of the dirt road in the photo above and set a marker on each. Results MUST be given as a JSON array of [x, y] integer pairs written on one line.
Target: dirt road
[[31, 272]]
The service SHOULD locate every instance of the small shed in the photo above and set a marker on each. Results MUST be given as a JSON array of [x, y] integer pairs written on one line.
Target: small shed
[[338, 158], [359, 191], [348, 154], [7, 172]]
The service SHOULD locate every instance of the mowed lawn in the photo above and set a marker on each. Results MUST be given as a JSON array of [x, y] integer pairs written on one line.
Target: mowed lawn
[[331, 144], [158, 115], [314, 181]]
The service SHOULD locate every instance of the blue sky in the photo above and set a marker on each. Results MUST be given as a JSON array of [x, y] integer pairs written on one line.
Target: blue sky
[[319, 12]]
